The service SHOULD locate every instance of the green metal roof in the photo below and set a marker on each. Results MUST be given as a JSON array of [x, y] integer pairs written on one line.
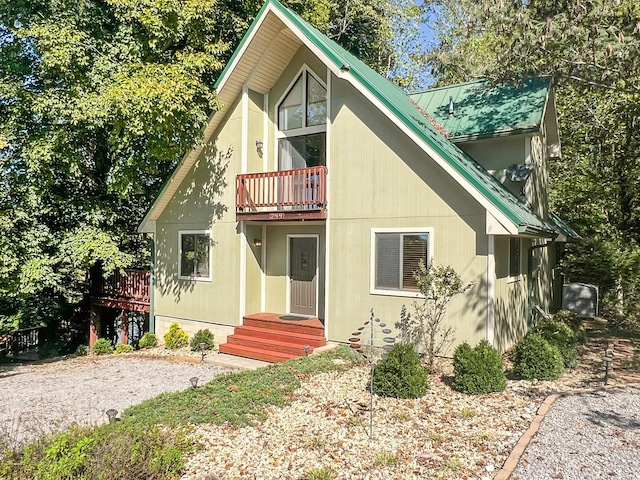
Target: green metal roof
[[482, 110], [563, 227], [406, 112]]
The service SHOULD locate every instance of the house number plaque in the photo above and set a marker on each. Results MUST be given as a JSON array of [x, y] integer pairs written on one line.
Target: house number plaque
[[276, 216]]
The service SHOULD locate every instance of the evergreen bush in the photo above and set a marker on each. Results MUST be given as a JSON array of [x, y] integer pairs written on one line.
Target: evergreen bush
[[123, 348], [175, 337], [82, 351], [561, 335], [400, 375], [202, 336], [148, 340], [102, 347], [479, 369], [535, 358]]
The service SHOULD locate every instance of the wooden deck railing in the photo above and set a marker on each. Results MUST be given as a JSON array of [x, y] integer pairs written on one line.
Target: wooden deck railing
[[21, 340], [300, 189], [132, 286]]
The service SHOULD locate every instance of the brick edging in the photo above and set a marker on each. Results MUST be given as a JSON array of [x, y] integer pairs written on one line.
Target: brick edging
[[512, 461]]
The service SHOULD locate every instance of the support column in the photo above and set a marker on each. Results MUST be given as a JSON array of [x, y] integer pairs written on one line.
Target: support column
[[94, 324], [124, 328]]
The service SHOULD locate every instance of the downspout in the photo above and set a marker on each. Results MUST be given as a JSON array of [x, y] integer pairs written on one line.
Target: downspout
[[530, 285], [152, 286]]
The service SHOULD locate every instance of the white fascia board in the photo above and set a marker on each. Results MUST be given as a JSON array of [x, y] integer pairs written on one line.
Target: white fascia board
[[495, 227], [147, 226]]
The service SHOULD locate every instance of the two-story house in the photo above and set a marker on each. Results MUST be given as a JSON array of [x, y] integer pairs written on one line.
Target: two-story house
[[336, 184]]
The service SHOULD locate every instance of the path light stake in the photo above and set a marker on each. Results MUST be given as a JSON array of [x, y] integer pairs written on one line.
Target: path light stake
[[111, 414], [306, 350], [202, 346], [194, 382], [608, 361], [357, 344]]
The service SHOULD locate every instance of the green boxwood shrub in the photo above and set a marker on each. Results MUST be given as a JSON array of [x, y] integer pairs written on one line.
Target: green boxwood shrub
[[400, 375], [82, 351], [148, 340], [175, 337], [561, 335], [202, 336], [479, 369], [535, 358], [123, 348], [102, 347]]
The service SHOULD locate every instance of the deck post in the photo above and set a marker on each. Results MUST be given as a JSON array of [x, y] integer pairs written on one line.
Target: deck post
[[124, 328]]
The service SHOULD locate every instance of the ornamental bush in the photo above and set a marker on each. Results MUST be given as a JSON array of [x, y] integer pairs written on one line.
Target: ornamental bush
[[102, 347], [535, 358], [479, 369], [202, 336], [123, 348], [561, 335], [148, 340], [175, 337], [400, 375]]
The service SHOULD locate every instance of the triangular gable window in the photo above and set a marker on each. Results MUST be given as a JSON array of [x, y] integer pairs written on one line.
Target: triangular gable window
[[302, 124]]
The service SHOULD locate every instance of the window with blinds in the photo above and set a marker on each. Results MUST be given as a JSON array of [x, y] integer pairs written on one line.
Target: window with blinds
[[397, 258]]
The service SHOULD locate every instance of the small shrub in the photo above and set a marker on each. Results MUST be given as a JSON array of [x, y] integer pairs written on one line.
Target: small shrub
[[82, 351], [175, 337], [102, 347], [570, 318], [202, 336], [148, 340], [123, 348], [561, 335], [478, 370], [535, 358], [400, 374]]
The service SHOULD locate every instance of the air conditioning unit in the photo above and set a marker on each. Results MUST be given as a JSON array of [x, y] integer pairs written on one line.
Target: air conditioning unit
[[580, 298]]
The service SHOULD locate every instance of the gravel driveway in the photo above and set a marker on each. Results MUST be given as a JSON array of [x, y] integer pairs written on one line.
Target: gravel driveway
[[593, 435], [39, 399]]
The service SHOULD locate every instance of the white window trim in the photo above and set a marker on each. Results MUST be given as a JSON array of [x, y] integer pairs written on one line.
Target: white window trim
[[298, 132], [514, 278], [192, 277], [405, 230]]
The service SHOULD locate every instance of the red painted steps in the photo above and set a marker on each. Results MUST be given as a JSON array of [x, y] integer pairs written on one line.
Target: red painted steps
[[264, 336]]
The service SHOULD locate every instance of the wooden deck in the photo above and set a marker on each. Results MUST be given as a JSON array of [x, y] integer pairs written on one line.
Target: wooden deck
[[270, 338], [127, 292]]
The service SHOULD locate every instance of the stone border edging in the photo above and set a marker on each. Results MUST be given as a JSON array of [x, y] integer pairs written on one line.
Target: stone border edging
[[512, 461]]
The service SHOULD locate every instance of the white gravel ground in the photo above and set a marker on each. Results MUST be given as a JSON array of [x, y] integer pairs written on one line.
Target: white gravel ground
[[39, 399], [588, 436]]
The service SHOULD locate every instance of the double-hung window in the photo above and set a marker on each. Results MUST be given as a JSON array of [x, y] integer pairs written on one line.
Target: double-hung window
[[195, 255], [302, 124], [514, 258], [396, 256]]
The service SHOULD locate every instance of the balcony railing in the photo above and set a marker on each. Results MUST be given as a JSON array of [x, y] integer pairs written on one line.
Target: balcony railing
[[134, 285], [282, 195]]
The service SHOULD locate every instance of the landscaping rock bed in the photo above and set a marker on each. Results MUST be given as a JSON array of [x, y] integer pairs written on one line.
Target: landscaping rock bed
[[40, 399]]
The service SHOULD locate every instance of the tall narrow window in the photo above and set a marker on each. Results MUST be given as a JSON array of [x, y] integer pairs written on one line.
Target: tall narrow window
[[302, 124], [194, 255], [514, 256]]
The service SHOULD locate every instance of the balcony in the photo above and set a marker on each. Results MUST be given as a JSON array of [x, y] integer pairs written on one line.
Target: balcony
[[284, 195], [129, 291]]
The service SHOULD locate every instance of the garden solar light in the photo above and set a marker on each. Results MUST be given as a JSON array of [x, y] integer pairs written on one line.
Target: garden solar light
[[202, 346], [608, 362], [306, 350], [194, 382], [111, 413]]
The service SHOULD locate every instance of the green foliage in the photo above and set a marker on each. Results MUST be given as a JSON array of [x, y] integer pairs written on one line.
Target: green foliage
[[123, 348], [558, 333], [121, 450], [238, 398], [175, 337], [400, 375], [82, 351], [535, 358], [102, 347], [425, 328], [318, 474], [148, 340], [202, 336], [479, 369]]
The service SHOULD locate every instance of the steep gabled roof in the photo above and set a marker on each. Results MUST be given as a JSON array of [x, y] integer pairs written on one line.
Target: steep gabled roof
[[505, 208], [482, 110]]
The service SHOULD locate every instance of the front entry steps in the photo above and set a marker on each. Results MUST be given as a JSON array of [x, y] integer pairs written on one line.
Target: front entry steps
[[266, 337]]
